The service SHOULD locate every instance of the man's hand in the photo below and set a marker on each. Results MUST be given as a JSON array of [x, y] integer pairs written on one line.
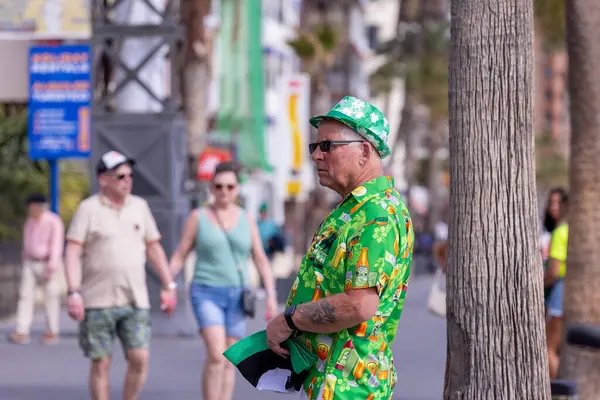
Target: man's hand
[[75, 307], [277, 332], [168, 301], [272, 307]]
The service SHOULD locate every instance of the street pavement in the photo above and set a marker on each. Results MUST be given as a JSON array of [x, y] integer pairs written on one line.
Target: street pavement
[[59, 371]]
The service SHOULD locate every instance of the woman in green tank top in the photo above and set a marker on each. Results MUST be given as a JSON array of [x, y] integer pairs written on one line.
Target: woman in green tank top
[[223, 236]]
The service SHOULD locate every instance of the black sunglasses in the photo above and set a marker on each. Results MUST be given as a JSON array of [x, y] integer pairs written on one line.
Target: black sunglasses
[[220, 186], [326, 145], [120, 177]]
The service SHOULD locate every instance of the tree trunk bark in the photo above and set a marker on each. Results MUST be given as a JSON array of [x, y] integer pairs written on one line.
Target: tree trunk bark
[[582, 282], [495, 316], [196, 72]]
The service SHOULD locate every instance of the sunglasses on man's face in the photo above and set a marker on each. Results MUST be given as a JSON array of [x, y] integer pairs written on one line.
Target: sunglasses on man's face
[[120, 177], [220, 186], [326, 145]]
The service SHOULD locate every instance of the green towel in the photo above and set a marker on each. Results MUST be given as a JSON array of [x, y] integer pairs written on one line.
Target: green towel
[[266, 370]]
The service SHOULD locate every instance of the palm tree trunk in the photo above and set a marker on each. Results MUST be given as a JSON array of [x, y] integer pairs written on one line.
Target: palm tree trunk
[[196, 72], [582, 281], [495, 314]]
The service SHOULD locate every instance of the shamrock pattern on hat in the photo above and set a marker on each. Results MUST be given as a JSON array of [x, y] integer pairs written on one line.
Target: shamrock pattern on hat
[[364, 118]]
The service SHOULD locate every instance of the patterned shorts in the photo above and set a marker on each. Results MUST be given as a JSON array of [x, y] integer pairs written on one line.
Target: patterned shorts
[[99, 327]]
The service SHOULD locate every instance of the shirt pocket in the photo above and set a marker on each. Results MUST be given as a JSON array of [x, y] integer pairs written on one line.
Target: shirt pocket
[[321, 247]]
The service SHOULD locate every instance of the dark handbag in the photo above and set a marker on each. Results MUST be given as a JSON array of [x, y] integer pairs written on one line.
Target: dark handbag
[[248, 297]]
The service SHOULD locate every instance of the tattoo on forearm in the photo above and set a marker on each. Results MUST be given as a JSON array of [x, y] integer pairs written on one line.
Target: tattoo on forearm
[[320, 312]]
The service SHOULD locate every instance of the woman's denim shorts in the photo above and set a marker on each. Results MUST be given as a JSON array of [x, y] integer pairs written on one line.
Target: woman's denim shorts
[[554, 303], [219, 306]]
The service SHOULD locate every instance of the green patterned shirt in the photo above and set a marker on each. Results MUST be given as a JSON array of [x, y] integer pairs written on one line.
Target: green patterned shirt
[[366, 241]]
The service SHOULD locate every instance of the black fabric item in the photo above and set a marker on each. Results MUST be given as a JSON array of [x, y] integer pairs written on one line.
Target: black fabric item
[[252, 368], [254, 359]]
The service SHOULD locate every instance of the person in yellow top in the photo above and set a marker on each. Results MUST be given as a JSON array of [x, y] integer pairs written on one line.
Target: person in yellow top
[[553, 277]]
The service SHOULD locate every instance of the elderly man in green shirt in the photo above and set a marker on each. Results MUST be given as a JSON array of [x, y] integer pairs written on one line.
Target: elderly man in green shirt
[[346, 301]]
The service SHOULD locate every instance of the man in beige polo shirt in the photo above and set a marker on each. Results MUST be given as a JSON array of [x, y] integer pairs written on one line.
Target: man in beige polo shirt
[[110, 236]]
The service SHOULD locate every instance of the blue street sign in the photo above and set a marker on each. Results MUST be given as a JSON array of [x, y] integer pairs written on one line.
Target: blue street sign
[[60, 96]]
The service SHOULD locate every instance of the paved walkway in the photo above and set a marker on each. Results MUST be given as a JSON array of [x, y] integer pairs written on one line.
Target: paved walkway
[[38, 372]]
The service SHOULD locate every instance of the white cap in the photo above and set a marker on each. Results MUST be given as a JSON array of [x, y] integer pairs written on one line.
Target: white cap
[[112, 160]]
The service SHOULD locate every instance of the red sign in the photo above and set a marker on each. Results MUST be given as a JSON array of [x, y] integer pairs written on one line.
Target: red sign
[[49, 42], [208, 161]]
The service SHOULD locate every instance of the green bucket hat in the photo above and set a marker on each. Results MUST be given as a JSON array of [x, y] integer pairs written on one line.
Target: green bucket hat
[[363, 118]]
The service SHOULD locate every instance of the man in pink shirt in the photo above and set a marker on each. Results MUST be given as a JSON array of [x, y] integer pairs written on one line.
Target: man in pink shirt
[[43, 243]]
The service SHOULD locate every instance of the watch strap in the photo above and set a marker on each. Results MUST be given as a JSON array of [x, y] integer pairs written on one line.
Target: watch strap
[[288, 313]]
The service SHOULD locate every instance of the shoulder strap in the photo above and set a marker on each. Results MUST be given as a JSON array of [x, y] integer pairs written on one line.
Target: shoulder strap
[[237, 264]]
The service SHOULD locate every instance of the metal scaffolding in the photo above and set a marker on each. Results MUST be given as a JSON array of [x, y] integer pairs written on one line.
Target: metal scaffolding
[[132, 116]]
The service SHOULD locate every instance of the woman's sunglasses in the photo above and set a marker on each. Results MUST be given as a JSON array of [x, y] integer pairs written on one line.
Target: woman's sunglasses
[[220, 186], [326, 145]]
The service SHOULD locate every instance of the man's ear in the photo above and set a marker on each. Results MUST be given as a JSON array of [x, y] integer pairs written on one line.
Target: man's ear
[[367, 150]]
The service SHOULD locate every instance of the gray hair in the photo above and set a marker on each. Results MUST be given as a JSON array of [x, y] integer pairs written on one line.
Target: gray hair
[[350, 134]]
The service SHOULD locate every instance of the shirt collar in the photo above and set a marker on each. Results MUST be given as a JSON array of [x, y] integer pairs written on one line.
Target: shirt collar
[[105, 201], [372, 187]]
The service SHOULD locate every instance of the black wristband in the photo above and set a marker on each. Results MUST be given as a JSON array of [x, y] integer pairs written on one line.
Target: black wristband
[[288, 313]]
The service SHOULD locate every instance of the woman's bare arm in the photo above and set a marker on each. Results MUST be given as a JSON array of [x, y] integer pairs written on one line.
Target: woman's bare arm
[[188, 238]]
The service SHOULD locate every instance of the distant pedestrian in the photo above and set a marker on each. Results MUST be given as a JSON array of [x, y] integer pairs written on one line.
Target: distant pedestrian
[[223, 236], [43, 243], [556, 197], [271, 234], [554, 275], [108, 241]]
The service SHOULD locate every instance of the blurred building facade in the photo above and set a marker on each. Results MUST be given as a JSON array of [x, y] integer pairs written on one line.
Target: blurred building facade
[[286, 128], [285, 97], [24, 23], [381, 26], [555, 106], [551, 111]]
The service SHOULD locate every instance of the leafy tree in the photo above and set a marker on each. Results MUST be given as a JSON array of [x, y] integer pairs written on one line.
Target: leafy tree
[[318, 49]]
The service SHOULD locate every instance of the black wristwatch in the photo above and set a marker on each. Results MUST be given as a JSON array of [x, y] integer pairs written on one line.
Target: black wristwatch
[[288, 317]]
